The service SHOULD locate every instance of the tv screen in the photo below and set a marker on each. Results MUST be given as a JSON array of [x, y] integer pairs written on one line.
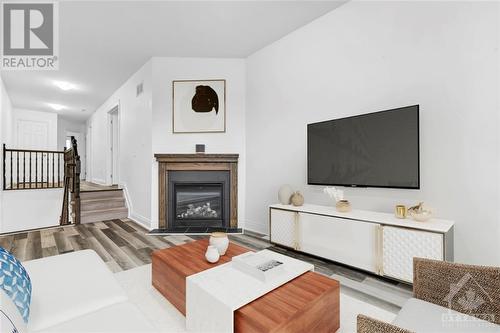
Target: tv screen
[[378, 149]]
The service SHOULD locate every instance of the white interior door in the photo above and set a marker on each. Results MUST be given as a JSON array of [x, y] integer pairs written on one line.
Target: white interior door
[[32, 135]]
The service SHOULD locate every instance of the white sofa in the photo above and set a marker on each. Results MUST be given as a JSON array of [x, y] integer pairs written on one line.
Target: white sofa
[[76, 292]]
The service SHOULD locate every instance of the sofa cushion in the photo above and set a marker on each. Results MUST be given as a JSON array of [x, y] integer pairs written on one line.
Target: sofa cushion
[[11, 320], [16, 283], [122, 317], [68, 286], [421, 316]]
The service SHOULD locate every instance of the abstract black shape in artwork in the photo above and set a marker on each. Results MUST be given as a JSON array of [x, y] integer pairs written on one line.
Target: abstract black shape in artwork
[[205, 99]]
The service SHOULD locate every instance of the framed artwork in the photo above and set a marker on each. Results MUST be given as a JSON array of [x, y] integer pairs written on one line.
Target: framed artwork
[[199, 106]]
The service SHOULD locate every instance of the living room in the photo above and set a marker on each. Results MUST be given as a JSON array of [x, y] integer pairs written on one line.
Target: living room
[[103, 154]]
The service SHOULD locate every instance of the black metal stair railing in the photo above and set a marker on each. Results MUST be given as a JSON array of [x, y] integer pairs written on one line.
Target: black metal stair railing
[[28, 169], [25, 169]]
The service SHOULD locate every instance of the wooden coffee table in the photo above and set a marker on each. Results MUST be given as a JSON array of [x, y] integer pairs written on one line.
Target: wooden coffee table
[[308, 303]]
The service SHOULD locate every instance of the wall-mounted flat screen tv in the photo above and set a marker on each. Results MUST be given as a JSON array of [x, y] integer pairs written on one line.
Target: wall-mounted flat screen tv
[[378, 149]]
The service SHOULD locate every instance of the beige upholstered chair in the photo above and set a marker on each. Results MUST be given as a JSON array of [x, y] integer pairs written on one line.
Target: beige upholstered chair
[[469, 289]]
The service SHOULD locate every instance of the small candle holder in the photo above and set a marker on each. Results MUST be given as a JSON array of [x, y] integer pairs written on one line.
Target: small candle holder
[[343, 206], [401, 211]]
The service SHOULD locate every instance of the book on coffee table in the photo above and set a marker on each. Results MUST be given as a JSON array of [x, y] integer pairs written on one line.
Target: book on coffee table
[[258, 265]]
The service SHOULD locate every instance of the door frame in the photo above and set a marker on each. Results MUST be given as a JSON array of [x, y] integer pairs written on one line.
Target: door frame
[[113, 150]]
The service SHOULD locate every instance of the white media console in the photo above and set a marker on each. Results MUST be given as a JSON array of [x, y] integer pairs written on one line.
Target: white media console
[[375, 242]]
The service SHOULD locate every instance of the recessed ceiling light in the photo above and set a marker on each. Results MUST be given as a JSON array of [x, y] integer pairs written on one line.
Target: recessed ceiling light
[[63, 85], [57, 107]]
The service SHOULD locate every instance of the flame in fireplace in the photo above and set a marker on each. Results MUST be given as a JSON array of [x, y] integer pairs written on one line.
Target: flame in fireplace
[[198, 211]]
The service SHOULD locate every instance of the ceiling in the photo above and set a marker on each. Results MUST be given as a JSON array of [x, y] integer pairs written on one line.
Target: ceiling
[[102, 43]]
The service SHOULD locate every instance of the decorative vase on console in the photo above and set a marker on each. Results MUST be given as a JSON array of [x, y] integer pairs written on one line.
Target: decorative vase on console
[[285, 194], [212, 255], [342, 205], [297, 199], [220, 241]]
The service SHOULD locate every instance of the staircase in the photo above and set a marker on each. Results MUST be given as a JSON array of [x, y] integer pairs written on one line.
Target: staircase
[[102, 205]]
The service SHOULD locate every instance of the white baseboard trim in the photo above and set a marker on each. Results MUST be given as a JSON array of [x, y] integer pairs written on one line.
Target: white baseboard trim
[[256, 227], [144, 221], [128, 202], [98, 181]]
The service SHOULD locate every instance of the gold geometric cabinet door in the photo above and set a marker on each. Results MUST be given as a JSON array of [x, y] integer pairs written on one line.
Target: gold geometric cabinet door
[[283, 227], [400, 245]]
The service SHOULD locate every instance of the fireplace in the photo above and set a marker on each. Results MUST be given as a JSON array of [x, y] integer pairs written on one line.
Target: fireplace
[[198, 193], [198, 199]]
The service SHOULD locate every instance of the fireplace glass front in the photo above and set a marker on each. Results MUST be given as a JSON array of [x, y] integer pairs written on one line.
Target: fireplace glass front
[[198, 199], [195, 202]]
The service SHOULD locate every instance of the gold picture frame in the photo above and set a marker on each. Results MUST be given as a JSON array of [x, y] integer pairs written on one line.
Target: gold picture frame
[[211, 118]]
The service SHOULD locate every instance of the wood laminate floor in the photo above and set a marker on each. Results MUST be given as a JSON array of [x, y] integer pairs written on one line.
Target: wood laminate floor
[[123, 244]]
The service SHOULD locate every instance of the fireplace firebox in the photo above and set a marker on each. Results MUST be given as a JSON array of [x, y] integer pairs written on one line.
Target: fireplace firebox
[[197, 193], [198, 199]]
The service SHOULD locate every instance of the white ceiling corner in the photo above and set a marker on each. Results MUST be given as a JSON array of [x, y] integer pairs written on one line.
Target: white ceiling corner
[[102, 43]]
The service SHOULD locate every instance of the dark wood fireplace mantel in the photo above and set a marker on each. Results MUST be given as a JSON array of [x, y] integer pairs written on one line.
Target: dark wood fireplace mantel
[[204, 158], [196, 162]]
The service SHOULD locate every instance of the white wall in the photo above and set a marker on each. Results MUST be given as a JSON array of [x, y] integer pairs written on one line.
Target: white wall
[[36, 116], [5, 134], [371, 56], [165, 70], [5, 116], [146, 128], [134, 143], [30, 209], [67, 125], [26, 209]]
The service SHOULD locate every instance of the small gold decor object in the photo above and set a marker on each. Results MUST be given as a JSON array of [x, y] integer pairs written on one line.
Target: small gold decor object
[[343, 206], [400, 211], [419, 213]]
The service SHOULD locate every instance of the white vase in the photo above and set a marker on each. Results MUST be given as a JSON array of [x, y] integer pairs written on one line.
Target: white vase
[[220, 241], [212, 254], [284, 194]]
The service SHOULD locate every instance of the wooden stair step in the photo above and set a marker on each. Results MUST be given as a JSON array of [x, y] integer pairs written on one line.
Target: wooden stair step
[[102, 203], [101, 194], [104, 214]]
